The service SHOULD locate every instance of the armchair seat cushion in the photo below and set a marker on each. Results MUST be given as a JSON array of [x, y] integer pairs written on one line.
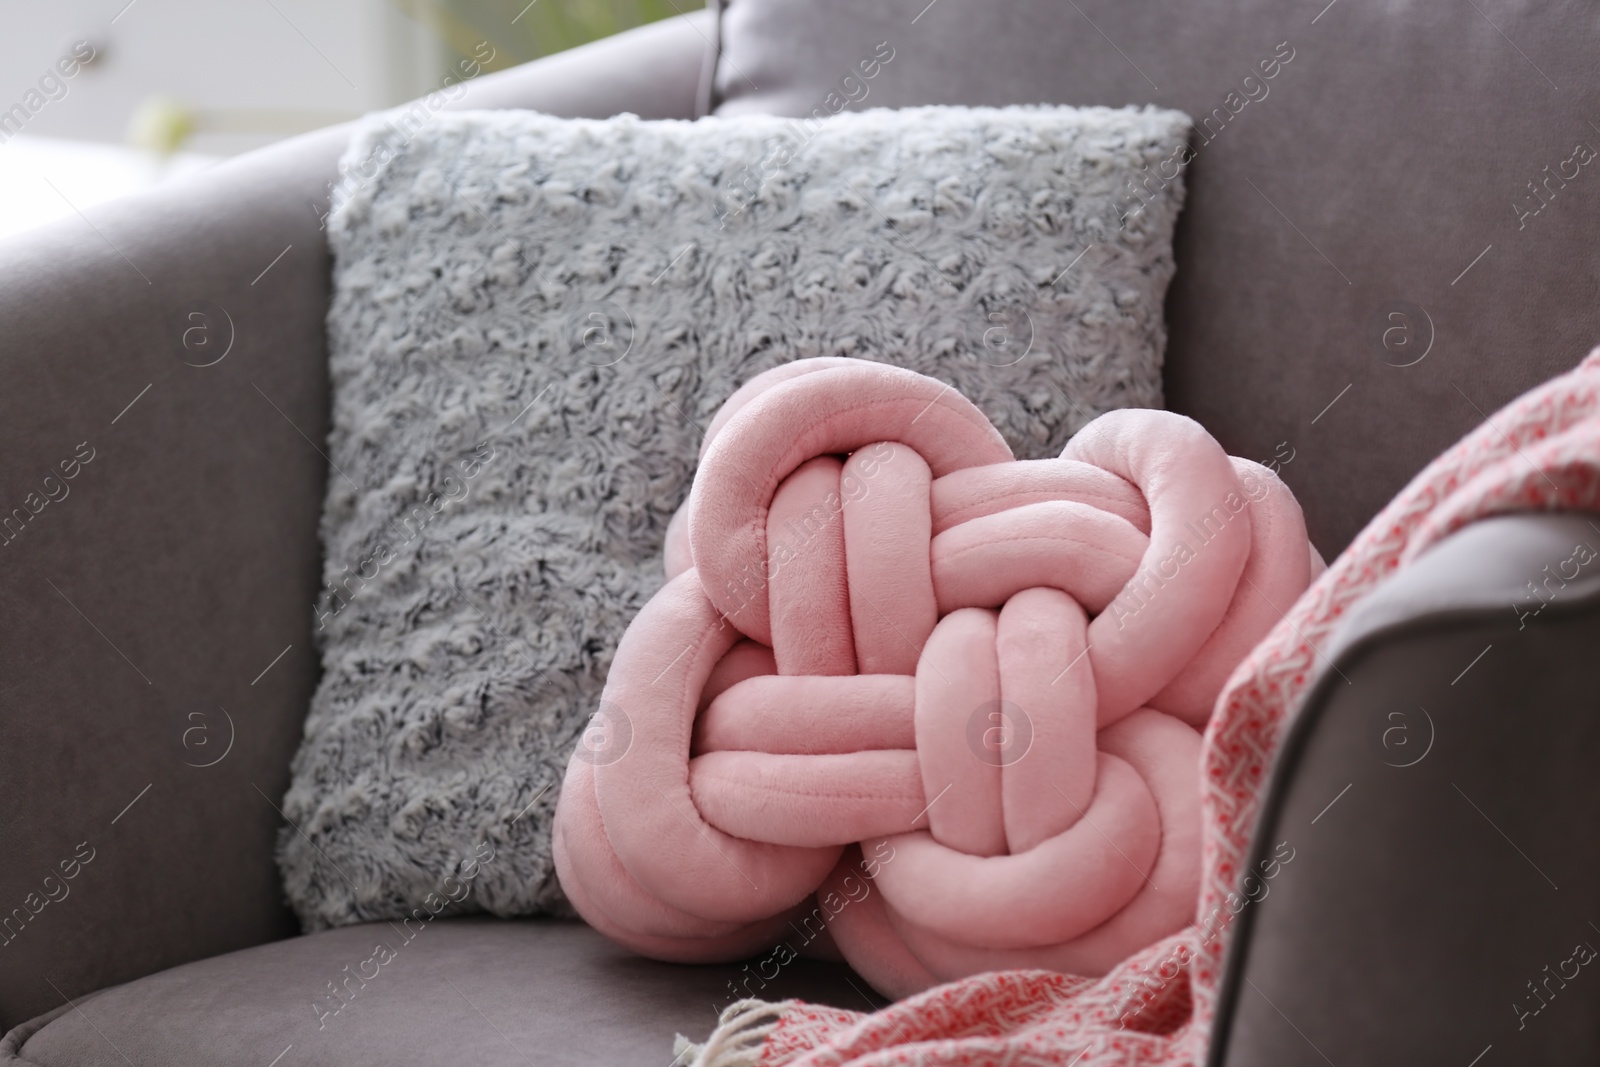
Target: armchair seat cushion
[[478, 991]]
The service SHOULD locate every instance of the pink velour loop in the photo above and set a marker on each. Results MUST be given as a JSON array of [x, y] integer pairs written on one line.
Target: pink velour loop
[[833, 411], [644, 799], [1199, 541], [909, 699]]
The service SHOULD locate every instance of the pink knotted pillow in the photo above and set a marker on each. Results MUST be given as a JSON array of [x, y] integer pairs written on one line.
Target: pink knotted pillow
[[908, 696]]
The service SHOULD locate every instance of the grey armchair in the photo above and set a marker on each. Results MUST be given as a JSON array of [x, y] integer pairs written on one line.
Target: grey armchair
[[168, 350]]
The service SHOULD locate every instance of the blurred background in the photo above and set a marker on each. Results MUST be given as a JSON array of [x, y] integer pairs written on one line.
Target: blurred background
[[99, 98]]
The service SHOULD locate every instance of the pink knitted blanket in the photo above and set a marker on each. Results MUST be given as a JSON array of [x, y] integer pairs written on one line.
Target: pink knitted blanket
[[916, 702], [1541, 452]]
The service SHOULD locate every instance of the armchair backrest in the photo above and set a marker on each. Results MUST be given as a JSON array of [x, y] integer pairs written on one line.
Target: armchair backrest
[[1392, 205]]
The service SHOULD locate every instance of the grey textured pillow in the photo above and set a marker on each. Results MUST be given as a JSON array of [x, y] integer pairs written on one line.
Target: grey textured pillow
[[533, 319]]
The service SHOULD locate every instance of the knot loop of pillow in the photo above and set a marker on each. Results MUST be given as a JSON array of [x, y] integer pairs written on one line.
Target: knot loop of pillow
[[884, 636]]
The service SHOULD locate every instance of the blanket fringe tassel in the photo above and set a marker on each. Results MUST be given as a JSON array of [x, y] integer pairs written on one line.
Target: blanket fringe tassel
[[736, 1042]]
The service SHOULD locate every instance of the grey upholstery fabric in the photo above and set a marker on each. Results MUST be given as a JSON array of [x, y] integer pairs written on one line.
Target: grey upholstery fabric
[[1438, 792], [1366, 176], [464, 991], [146, 608]]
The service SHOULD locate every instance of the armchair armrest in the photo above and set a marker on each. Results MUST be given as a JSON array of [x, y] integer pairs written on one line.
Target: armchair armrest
[[161, 478], [1438, 788]]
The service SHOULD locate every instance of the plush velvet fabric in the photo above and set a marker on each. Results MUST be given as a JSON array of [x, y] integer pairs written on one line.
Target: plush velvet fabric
[[929, 699]]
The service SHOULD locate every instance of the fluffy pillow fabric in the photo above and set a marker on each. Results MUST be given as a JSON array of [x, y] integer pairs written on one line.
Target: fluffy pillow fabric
[[533, 322]]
